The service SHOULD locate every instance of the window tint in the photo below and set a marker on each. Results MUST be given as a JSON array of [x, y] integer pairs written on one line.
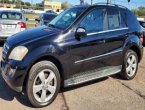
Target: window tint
[[10, 15], [115, 19], [66, 18], [93, 22]]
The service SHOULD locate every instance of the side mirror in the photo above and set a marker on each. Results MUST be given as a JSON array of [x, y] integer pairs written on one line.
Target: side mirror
[[81, 32]]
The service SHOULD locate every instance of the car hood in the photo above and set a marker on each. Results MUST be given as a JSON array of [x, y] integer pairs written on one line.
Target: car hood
[[32, 34]]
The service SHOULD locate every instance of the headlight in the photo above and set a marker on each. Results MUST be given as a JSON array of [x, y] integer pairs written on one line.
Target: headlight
[[18, 53]]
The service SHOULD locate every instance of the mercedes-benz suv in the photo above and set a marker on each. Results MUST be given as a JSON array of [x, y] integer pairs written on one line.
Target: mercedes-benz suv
[[81, 44]]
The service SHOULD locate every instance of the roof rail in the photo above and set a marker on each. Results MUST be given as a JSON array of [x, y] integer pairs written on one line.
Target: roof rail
[[110, 4]]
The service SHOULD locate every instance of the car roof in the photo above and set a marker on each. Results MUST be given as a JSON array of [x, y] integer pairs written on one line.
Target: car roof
[[53, 14], [101, 5], [11, 11]]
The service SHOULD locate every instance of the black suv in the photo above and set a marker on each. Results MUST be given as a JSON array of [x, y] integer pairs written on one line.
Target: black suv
[[83, 43]]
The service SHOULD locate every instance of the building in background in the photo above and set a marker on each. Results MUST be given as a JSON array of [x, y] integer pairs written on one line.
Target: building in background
[[7, 5], [50, 5]]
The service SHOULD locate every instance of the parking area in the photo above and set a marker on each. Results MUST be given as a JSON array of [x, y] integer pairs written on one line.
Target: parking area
[[110, 93]]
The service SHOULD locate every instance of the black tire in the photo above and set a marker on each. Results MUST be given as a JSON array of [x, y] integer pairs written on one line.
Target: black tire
[[124, 73], [33, 74]]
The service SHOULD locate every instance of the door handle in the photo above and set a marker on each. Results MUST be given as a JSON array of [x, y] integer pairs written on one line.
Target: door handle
[[102, 41]]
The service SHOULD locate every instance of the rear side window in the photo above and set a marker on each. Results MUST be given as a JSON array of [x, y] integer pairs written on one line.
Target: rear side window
[[93, 22], [115, 19], [10, 15]]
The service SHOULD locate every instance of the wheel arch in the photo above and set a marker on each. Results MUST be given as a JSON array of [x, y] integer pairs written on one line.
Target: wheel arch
[[137, 50], [48, 58]]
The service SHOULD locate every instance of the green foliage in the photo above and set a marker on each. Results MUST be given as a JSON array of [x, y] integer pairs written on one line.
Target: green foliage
[[139, 12], [65, 5], [27, 3]]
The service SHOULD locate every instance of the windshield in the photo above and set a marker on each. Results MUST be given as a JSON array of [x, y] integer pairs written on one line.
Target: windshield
[[10, 15], [142, 23], [66, 18]]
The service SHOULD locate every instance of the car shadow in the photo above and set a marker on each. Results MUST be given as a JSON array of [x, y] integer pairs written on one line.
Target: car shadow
[[9, 95], [83, 85], [117, 76]]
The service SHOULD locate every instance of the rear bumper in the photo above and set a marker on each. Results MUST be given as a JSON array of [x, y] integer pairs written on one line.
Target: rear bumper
[[13, 77]]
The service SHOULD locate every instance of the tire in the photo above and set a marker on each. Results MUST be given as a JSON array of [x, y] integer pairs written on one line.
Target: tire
[[130, 66], [43, 84]]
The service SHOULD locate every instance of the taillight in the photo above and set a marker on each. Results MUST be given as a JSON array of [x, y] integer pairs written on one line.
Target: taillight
[[141, 38], [23, 25]]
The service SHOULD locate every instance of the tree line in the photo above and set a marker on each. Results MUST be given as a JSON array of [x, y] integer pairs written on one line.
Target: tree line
[[140, 11], [37, 6]]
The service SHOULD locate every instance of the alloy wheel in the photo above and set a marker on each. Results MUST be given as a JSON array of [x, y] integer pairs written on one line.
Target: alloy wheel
[[44, 86], [131, 65]]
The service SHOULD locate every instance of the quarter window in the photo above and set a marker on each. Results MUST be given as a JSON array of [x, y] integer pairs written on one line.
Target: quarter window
[[115, 19], [93, 22]]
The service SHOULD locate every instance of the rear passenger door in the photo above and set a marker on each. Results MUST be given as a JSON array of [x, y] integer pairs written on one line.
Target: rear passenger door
[[115, 36]]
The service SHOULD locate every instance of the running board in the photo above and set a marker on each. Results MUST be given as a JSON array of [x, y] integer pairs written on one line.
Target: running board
[[91, 75]]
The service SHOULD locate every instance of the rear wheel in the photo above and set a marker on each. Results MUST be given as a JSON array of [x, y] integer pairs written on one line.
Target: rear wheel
[[130, 65], [43, 83]]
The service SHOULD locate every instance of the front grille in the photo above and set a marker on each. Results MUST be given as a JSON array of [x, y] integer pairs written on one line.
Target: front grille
[[5, 51]]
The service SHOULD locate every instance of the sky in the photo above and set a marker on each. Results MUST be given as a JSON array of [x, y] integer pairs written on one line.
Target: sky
[[133, 4]]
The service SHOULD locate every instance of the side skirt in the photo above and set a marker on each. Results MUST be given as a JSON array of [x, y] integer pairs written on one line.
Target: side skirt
[[92, 75]]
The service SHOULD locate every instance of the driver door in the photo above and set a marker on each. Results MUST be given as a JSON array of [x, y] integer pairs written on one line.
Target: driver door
[[83, 51]]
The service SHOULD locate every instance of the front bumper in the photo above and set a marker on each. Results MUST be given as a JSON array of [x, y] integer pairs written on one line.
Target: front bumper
[[14, 77]]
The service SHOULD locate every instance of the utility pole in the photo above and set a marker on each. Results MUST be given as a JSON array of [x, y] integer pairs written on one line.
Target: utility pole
[[91, 2], [3, 3], [108, 1], [20, 4], [32, 4], [81, 2]]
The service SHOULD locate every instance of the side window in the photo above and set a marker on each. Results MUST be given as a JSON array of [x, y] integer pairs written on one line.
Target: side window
[[93, 22], [123, 19], [115, 19]]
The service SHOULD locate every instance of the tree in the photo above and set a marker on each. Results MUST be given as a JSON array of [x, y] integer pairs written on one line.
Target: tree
[[139, 12], [27, 3], [65, 5]]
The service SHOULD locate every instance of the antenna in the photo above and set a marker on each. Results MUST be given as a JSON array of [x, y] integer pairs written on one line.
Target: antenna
[[108, 1], [91, 2]]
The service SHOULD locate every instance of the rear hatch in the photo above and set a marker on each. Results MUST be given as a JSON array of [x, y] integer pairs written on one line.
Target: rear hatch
[[10, 23], [9, 27]]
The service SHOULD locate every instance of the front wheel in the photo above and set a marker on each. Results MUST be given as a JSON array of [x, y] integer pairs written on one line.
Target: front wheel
[[130, 65], [43, 84]]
